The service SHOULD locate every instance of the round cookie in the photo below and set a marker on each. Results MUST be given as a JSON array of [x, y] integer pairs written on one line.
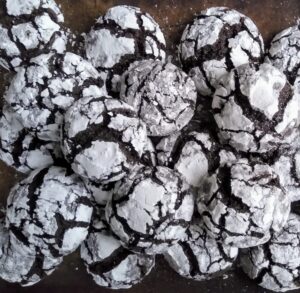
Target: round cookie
[[275, 265], [163, 95], [241, 204], [17, 267], [123, 35], [28, 28], [248, 122], [150, 210], [193, 152], [284, 53], [218, 40], [41, 92], [103, 139], [20, 149], [110, 264], [198, 256], [49, 211]]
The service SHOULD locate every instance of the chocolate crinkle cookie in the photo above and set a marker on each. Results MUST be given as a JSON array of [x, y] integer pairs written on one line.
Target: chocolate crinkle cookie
[[248, 122], [28, 28], [50, 211], [243, 203], [151, 210], [275, 265], [110, 264], [123, 35], [22, 150], [41, 92], [19, 267], [103, 139], [218, 40], [198, 256], [163, 95]]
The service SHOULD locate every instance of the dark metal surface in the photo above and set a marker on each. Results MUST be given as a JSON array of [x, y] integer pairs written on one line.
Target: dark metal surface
[[271, 16]]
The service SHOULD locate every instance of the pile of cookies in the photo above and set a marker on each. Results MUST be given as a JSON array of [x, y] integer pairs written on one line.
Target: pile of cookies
[[128, 155]]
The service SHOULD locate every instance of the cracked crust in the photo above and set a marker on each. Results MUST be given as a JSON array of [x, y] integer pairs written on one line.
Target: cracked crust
[[123, 35], [110, 264], [17, 267], [275, 265], [247, 122], [103, 139], [41, 92], [162, 94], [198, 256], [22, 150], [243, 203], [218, 40], [29, 28], [151, 210], [50, 211]]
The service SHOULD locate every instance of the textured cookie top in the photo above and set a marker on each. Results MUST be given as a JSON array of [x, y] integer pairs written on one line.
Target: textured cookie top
[[163, 95], [103, 138], [50, 210], [218, 40], [275, 265], [198, 256], [248, 122], [41, 92], [22, 150], [242, 204], [110, 264], [29, 28], [150, 210]]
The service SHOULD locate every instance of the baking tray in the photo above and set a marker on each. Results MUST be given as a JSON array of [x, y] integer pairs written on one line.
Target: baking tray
[[271, 16]]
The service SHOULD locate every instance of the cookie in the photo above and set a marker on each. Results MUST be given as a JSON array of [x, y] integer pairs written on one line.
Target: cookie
[[123, 35], [22, 150], [198, 256], [247, 122], [110, 264], [218, 40], [29, 28], [275, 265], [193, 152], [150, 210], [50, 211], [41, 92], [103, 139], [17, 267], [164, 96], [241, 204]]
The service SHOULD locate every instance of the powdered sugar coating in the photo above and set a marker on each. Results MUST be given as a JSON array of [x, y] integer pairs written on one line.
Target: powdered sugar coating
[[240, 205], [163, 95], [218, 40], [103, 139], [22, 150], [49, 211], [123, 35], [41, 92], [198, 256], [245, 120], [150, 210], [275, 265], [110, 264], [29, 28], [17, 267]]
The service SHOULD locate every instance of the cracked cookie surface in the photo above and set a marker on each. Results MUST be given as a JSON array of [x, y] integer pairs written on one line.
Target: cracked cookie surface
[[41, 92], [151, 210], [218, 40], [162, 94], [123, 35], [27, 29]]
